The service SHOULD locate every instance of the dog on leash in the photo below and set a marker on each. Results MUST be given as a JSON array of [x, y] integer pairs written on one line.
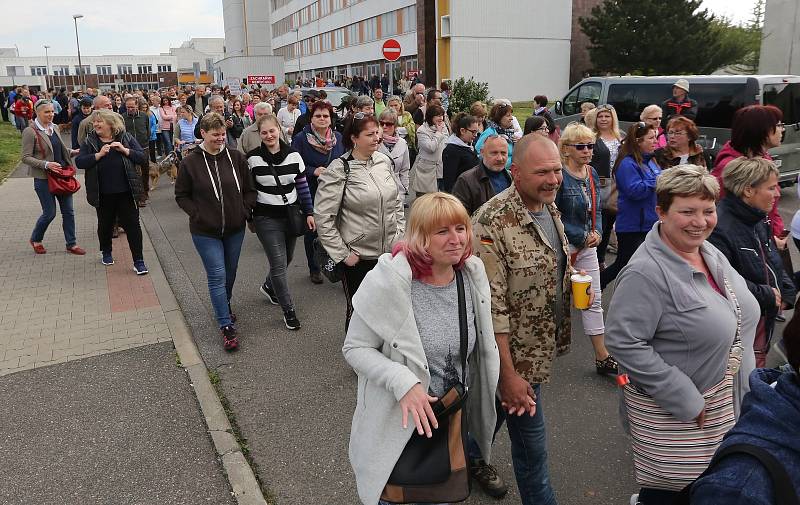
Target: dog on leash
[[168, 164]]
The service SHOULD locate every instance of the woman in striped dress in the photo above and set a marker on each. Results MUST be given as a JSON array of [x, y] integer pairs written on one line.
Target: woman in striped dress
[[681, 326], [278, 174]]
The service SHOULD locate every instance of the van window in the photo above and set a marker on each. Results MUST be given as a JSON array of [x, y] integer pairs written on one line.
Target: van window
[[716, 102], [587, 92], [785, 96]]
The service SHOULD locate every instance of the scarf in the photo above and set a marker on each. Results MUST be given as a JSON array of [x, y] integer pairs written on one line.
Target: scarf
[[323, 145], [539, 110], [390, 142], [507, 133]]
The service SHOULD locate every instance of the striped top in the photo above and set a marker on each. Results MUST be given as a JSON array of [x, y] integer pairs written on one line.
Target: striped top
[[290, 170]]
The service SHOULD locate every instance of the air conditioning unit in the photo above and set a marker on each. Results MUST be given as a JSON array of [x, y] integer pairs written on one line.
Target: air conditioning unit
[[444, 27]]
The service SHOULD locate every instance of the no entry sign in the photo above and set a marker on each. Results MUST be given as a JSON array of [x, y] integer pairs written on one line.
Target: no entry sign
[[391, 50]]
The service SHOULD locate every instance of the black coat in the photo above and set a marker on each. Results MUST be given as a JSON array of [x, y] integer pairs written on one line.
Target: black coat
[[86, 161], [744, 237], [456, 159]]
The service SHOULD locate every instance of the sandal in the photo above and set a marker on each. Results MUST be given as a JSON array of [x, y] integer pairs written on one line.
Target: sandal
[[37, 248]]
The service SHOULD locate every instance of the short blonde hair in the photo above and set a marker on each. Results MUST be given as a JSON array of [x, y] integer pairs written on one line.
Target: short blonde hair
[[685, 181], [647, 110], [111, 118], [587, 106], [574, 133], [743, 173], [428, 213]]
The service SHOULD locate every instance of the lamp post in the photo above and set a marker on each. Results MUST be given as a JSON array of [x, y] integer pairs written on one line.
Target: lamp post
[[47, 67], [299, 52], [75, 18]]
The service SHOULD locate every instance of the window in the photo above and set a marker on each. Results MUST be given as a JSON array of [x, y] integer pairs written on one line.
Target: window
[[353, 37], [411, 64], [374, 69], [357, 70], [306, 47], [370, 29], [589, 92], [144, 69], [326, 41], [84, 72], [338, 5], [296, 19], [103, 69], [165, 68], [315, 44], [38, 70], [389, 24], [325, 7], [786, 97], [304, 16], [124, 69], [338, 37], [61, 70], [410, 19], [329, 74]]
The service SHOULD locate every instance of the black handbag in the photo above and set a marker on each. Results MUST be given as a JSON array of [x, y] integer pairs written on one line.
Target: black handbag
[[296, 223], [329, 268], [436, 469]]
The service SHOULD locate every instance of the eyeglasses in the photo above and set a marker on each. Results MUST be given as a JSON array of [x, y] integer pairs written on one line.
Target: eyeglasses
[[543, 128], [583, 147], [676, 133], [780, 126], [474, 132], [387, 123]]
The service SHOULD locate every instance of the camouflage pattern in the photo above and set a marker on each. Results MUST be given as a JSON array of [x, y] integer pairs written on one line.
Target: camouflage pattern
[[520, 264]]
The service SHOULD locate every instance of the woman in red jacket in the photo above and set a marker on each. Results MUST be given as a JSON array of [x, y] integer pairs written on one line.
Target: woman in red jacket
[[756, 129], [23, 110]]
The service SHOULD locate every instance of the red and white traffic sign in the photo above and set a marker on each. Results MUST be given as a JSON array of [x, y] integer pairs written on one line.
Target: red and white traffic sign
[[260, 79], [391, 50]]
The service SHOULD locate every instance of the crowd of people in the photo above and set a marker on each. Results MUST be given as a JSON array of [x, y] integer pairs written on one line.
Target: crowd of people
[[423, 214]]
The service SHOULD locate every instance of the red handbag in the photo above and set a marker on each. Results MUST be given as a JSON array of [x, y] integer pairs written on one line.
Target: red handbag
[[60, 181]]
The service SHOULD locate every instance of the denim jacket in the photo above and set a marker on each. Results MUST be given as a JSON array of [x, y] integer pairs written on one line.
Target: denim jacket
[[574, 202]]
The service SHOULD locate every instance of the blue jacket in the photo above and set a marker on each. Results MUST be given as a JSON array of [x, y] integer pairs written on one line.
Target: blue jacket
[[313, 158], [153, 126], [574, 202], [486, 133], [770, 419], [636, 203]]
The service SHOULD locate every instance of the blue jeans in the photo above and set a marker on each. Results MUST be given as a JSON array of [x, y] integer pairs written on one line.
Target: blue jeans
[[528, 453], [165, 137], [48, 202], [220, 259]]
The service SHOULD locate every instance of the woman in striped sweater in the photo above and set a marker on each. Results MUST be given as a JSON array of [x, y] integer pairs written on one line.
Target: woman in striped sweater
[[278, 174]]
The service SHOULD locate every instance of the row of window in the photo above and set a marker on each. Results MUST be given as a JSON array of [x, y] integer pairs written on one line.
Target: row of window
[[385, 25], [367, 69], [101, 69], [316, 10]]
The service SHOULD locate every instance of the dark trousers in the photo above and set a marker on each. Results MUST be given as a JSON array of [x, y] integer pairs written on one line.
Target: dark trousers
[[144, 173], [627, 243], [4, 112], [651, 496], [119, 207], [152, 148], [351, 280], [609, 218]]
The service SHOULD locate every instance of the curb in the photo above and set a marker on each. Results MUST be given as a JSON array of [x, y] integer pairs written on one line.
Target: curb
[[240, 475]]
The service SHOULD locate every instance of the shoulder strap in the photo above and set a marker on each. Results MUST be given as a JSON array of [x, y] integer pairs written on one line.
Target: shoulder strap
[[462, 324], [785, 493], [346, 177], [38, 141], [594, 199], [277, 181]]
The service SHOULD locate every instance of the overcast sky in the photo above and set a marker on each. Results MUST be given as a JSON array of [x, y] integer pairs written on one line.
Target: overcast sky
[[153, 26]]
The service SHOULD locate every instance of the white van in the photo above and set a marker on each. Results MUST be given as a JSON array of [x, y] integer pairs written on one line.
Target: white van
[[718, 97]]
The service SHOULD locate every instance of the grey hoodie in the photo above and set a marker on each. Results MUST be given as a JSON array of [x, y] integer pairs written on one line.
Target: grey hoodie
[[671, 332]]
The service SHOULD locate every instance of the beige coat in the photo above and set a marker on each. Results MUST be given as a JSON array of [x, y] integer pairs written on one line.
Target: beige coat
[[32, 155], [428, 165], [370, 220]]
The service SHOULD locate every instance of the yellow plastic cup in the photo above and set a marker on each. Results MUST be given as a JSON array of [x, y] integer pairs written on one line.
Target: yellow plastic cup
[[581, 291]]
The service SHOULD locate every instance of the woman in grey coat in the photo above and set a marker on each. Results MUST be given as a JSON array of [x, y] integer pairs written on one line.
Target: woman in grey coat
[[404, 343], [672, 325]]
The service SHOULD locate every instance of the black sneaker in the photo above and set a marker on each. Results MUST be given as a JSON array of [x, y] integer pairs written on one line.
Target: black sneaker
[[269, 293], [607, 366], [229, 339], [290, 319], [316, 278], [486, 475]]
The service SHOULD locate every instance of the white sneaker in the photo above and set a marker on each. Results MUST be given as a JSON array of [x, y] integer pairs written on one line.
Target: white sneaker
[[634, 499]]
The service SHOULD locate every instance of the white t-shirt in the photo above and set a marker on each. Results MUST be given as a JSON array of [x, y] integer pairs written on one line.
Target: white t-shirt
[[288, 119]]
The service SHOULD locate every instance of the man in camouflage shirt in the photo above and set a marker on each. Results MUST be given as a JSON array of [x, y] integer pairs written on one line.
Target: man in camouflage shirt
[[520, 238]]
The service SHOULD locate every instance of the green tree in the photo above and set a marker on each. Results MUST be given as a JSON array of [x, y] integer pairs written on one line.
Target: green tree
[[466, 92], [654, 37]]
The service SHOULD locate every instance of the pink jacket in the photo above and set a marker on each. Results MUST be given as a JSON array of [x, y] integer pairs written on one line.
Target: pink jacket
[[168, 117]]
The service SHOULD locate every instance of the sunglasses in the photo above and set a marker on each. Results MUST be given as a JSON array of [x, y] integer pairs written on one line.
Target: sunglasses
[[606, 106], [387, 123], [583, 147]]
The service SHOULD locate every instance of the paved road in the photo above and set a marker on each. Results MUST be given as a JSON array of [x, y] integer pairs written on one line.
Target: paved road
[[293, 394]]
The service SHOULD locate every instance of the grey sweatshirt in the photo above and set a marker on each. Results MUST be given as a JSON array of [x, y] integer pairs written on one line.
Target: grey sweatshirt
[[671, 332]]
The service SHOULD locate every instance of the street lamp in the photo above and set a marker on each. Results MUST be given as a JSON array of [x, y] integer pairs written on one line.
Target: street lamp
[[76, 17], [299, 52], [47, 67]]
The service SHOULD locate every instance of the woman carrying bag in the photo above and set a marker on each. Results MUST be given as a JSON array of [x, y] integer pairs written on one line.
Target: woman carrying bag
[[283, 210], [406, 342], [43, 150]]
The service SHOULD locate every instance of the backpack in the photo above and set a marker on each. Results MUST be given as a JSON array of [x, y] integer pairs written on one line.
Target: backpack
[[782, 486]]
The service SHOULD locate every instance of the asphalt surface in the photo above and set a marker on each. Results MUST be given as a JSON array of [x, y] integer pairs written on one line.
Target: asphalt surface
[[115, 429], [293, 394]]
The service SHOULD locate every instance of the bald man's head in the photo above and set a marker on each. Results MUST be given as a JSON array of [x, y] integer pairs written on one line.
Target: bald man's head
[[102, 102], [536, 169]]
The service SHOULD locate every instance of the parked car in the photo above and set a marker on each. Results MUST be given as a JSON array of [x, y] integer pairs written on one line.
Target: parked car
[[335, 95], [718, 98]]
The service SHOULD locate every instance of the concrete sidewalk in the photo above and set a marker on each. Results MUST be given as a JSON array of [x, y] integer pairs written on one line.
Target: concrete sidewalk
[[97, 407]]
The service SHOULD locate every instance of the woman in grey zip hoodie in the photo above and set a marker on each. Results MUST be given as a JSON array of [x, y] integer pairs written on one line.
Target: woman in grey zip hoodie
[[673, 315]]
